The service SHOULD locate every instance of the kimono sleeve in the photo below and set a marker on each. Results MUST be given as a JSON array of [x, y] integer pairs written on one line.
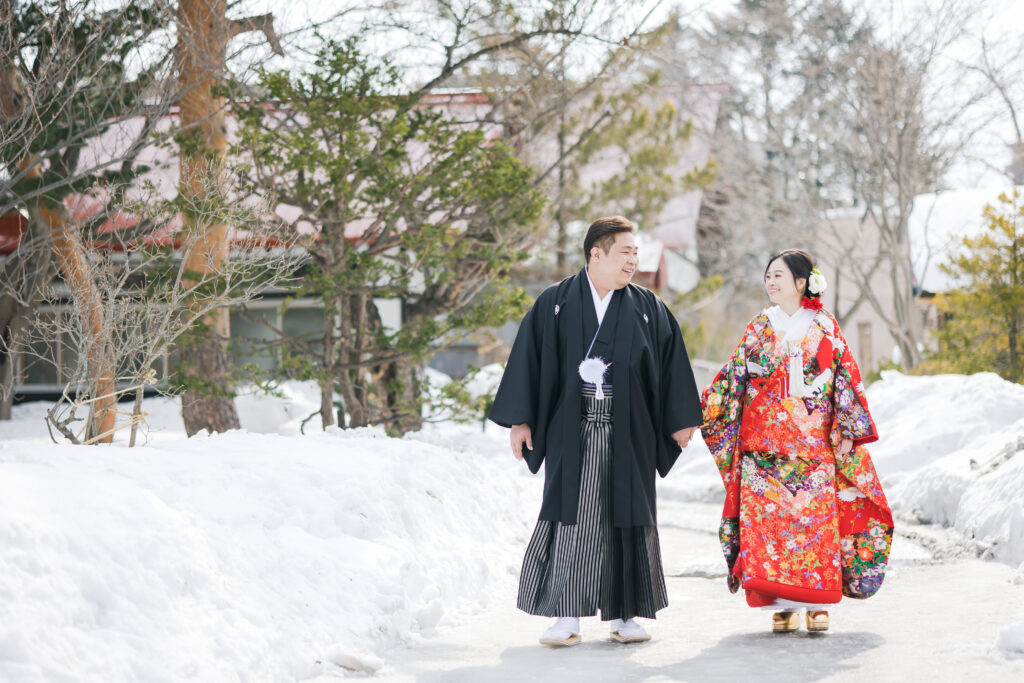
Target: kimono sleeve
[[516, 401], [852, 419], [723, 412], [722, 402], [680, 407]]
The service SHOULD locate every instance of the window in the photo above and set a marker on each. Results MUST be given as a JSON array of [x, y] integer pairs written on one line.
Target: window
[[248, 329], [306, 324]]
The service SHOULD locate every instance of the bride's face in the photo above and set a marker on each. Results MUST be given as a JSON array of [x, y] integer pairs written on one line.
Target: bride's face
[[780, 284]]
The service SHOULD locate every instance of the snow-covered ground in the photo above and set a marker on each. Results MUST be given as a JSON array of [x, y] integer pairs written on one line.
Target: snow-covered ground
[[245, 556], [266, 555]]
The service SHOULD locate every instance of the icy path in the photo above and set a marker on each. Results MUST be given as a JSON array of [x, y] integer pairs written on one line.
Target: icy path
[[930, 622]]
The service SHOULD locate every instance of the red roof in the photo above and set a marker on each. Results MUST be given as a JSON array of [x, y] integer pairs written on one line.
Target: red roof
[[12, 229], [163, 176]]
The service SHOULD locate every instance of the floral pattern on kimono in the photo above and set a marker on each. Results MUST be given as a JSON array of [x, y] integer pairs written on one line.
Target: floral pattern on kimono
[[798, 522]]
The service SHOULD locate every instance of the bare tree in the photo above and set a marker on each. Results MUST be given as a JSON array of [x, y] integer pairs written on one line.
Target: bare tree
[[902, 134], [68, 76], [149, 297], [838, 114], [568, 98], [1002, 66]]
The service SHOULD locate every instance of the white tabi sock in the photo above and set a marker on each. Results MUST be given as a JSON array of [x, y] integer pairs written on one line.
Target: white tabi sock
[[626, 628], [563, 628]]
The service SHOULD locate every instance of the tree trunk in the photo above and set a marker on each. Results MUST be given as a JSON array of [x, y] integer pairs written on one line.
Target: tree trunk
[[74, 266], [6, 382], [1012, 375], [327, 402], [72, 261], [95, 336], [34, 271], [136, 412], [327, 382], [1017, 164], [562, 243], [403, 399], [202, 39], [350, 383], [207, 408]]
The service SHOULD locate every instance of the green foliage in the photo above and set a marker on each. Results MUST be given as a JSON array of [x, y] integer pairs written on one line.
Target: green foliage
[[454, 401], [408, 204], [983, 318]]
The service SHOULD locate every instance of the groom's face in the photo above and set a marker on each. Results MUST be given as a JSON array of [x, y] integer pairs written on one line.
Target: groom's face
[[615, 269]]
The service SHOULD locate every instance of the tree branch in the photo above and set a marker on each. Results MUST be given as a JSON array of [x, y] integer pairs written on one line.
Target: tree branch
[[263, 23]]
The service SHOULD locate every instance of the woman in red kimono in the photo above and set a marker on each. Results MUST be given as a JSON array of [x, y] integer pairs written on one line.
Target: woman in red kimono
[[805, 519]]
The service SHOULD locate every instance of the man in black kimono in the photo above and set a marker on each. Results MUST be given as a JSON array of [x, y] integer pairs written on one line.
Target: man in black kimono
[[597, 387]]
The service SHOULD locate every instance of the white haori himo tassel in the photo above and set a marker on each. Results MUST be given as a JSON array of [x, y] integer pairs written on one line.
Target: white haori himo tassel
[[798, 388], [592, 370], [792, 329]]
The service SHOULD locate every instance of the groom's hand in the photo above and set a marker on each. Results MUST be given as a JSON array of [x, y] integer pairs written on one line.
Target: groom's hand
[[517, 436], [683, 436]]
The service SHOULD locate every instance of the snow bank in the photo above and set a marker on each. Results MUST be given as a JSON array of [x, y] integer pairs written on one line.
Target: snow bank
[[245, 556], [694, 478], [952, 453], [1011, 640], [922, 419], [263, 555]]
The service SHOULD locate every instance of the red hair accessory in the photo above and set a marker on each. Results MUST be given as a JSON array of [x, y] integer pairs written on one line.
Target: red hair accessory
[[813, 304]]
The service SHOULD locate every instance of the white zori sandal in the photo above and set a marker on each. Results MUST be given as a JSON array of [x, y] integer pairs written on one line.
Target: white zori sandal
[[628, 631], [563, 633]]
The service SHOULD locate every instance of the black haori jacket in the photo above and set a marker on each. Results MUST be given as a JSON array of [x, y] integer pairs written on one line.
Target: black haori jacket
[[654, 394]]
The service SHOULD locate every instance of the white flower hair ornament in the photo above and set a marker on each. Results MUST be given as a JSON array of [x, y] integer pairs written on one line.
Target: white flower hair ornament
[[816, 283]]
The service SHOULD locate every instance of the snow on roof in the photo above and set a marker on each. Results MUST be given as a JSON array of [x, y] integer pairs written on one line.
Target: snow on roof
[[649, 250], [937, 226], [842, 212]]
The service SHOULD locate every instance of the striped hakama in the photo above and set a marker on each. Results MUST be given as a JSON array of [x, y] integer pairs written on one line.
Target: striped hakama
[[572, 570]]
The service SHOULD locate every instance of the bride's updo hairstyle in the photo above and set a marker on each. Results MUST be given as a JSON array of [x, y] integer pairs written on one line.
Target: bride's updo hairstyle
[[800, 263]]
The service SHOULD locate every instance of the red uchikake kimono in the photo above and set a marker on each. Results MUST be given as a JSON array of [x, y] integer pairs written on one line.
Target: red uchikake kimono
[[799, 523]]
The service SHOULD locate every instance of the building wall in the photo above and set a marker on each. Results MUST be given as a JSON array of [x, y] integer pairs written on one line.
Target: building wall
[[866, 331], [871, 342]]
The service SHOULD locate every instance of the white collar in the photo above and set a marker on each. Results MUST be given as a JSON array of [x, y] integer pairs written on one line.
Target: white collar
[[600, 305], [792, 327]]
